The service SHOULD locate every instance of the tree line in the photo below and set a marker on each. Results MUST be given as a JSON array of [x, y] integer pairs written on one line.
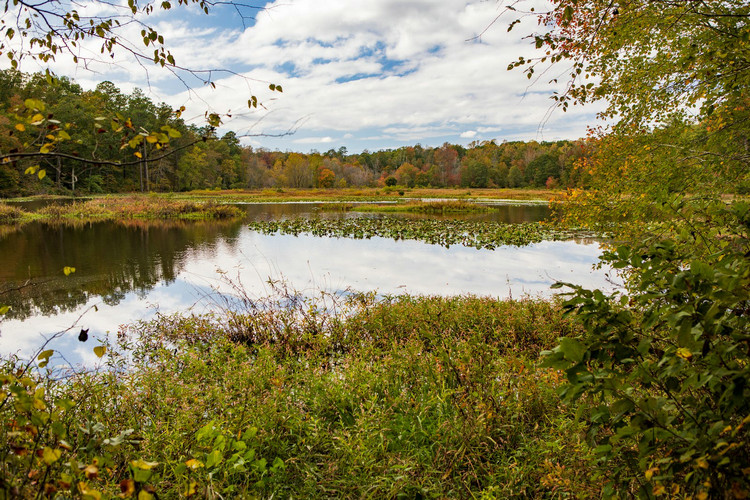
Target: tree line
[[197, 158]]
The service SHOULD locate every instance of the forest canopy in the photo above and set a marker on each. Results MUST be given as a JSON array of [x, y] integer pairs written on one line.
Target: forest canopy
[[195, 157]]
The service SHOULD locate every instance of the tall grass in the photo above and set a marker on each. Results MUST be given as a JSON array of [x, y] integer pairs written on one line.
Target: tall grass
[[413, 397], [10, 214], [143, 207]]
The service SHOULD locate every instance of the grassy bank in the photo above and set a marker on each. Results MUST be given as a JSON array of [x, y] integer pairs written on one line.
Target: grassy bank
[[120, 208], [361, 194], [403, 397]]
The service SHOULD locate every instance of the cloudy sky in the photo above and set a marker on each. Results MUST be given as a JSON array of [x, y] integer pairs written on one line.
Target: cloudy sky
[[355, 73]]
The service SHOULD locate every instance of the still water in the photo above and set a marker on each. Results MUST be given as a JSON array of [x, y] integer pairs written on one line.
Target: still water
[[128, 271]]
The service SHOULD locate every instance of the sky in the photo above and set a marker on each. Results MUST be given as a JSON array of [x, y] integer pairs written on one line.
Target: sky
[[356, 74]]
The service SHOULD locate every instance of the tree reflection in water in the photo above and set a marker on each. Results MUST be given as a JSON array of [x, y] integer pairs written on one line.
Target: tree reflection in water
[[111, 259]]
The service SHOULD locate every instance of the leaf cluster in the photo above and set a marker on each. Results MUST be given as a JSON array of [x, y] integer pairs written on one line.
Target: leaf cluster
[[665, 369]]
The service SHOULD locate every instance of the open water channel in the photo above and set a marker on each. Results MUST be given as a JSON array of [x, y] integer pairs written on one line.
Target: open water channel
[[129, 271]]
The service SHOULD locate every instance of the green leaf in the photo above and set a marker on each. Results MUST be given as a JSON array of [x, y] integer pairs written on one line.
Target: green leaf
[[572, 349], [621, 407], [213, 458], [4, 310], [567, 15]]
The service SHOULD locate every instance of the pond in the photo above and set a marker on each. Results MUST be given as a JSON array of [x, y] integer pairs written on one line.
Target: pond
[[132, 270]]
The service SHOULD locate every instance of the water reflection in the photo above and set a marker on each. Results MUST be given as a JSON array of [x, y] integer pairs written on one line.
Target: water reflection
[[111, 259], [129, 271]]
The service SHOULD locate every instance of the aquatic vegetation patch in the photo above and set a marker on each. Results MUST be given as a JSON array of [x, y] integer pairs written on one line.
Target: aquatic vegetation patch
[[143, 207], [480, 235], [11, 215]]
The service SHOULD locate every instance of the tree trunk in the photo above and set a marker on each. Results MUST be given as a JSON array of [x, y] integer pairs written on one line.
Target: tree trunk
[[145, 165]]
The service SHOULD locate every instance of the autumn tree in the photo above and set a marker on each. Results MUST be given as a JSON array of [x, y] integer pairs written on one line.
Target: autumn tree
[[672, 76], [663, 367], [44, 32]]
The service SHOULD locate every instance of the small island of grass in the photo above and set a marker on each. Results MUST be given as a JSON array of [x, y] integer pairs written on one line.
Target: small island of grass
[[122, 208]]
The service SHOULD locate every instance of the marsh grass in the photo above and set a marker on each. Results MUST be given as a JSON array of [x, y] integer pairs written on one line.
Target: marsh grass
[[11, 215], [365, 194], [138, 207], [348, 397]]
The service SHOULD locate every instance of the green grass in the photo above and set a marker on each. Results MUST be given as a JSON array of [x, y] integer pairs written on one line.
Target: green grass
[[406, 397], [356, 194]]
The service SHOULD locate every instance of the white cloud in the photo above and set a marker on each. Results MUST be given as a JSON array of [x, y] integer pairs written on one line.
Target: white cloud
[[398, 69], [469, 134], [314, 140]]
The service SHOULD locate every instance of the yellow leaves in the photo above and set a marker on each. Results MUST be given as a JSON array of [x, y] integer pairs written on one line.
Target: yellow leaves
[[91, 471], [702, 463], [20, 127], [127, 488], [67, 270], [100, 351], [151, 139], [650, 473], [37, 119], [194, 464], [684, 353], [44, 357], [143, 464], [138, 154], [50, 456], [659, 490], [88, 492], [191, 489], [701, 496]]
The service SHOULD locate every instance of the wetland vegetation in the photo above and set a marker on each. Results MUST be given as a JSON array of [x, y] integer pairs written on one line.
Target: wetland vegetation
[[637, 392], [120, 208], [477, 234], [411, 396]]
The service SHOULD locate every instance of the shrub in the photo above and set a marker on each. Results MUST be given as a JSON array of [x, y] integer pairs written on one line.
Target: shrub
[[665, 369]]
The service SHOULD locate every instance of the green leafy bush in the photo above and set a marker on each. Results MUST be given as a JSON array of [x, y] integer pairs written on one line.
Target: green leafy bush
[[664, 370]]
